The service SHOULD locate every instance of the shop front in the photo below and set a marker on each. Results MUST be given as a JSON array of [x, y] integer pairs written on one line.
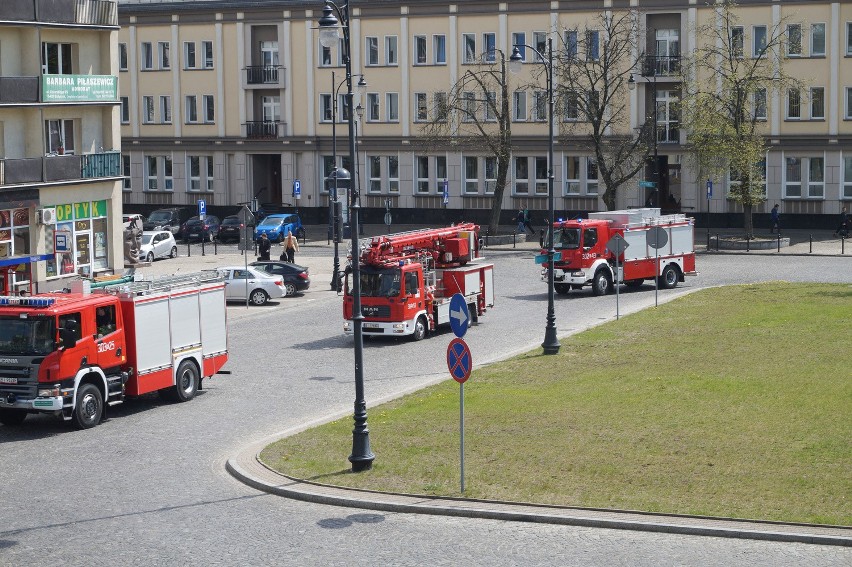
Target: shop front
[[77, 243]]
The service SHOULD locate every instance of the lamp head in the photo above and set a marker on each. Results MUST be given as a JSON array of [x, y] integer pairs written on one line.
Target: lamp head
[[329, 27], [359, 111], [516, 62], [631, 82], [362, 85]]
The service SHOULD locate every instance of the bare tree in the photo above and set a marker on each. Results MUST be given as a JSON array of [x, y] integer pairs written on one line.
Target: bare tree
[[475, 112], [725, 100], [594, 66]]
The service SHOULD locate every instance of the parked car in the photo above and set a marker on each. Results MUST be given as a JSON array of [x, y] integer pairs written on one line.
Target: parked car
[[166, 219], [157, 244], [276, 226], [130, 217], [196, 229], [259, 286], [230, 229], [296, 277]]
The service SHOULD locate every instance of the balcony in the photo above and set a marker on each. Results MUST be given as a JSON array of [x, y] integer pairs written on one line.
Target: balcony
[[81, 12], [16, 90], [264, 75], [52, 168], [264, 130], [661, 66]]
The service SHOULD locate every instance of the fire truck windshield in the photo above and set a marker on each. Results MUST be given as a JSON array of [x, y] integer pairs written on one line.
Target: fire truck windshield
[[34, 335], [567, 238], [380, 283]]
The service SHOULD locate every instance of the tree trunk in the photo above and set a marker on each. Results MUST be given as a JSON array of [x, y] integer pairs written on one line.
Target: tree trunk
[[497, 198], [748, 220]]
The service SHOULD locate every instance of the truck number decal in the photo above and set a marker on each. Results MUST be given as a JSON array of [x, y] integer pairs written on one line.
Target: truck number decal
[[590, 256], [104, 347]]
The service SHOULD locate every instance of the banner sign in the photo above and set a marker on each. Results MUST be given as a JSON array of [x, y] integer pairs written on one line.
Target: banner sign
[[65, 88]]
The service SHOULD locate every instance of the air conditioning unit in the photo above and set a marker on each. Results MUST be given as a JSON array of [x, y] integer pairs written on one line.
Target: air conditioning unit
[[47, 216]]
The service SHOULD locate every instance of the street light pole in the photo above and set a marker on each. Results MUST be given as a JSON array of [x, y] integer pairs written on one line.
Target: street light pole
[[631, 83], [335, 18], [551, 342]]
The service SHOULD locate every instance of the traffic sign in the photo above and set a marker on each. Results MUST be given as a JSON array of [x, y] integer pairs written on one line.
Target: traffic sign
[[709, 188], [657, 237], [542, 258], [202, 208], [445, 191], [617, 245], [647, 184], [459, 360], [388, 218], [62, 241], [459, 315], [297, 189]]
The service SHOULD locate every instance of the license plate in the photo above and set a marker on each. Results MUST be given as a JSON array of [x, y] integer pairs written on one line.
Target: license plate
[[193, 234], [4, 380], [371, 325], [43, 404]]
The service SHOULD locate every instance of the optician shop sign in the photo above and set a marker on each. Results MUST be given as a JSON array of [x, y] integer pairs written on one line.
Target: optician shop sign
[[84, 210], [64, 88]]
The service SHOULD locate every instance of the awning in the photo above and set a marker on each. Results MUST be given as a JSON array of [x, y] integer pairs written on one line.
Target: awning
[[16, 260]]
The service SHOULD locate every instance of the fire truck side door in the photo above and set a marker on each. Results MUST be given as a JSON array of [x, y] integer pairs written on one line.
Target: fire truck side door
[[73, 352], [109, 340], [590, 237], [412, 286]]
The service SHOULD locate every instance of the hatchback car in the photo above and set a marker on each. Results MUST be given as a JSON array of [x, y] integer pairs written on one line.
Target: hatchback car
[[296, 278], [230, 229], [276, 226], [258, 286], [157, 244], [196, 229]]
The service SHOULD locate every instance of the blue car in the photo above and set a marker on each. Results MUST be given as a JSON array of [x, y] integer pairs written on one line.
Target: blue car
[[276, 226]]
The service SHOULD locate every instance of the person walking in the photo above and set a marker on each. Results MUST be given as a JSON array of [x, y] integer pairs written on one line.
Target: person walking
[[263, 247], [291, 246], [528, 222], [521, 226], [776, 220], [843, 228]]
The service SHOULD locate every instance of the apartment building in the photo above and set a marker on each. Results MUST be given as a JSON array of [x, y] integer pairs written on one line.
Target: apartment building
[[227, 101], [60, 143]]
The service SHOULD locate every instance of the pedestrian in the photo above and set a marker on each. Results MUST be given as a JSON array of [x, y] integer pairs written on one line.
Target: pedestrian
[[775, 224], [843, 228], [291, 246], [263, 247], [520, 218], [528, 222]]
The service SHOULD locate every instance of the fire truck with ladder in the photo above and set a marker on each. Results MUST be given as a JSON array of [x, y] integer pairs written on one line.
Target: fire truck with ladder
[[586, 261], [74, 354], [407, 281]]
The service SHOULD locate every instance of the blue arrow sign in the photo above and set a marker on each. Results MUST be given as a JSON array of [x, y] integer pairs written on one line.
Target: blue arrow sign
[[459, 315], [445, 188], [542, 258], [709, 188], [647, 184], [459, 360]]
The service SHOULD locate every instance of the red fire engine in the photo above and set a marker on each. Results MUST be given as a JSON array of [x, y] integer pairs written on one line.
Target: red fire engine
[[585, 259], [407, 280], [70, 354]]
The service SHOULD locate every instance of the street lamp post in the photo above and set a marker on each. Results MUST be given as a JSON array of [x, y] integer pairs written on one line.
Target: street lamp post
[[631, 83], [334, 19], [551, 342]]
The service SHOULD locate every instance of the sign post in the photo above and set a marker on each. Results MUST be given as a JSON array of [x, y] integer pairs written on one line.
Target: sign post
[[445, 192], [656, 238], [617, 245], [709, 195], [247, 219], [459, 360]]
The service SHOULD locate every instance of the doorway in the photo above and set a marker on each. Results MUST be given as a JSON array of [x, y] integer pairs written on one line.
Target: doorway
[[266, 179]]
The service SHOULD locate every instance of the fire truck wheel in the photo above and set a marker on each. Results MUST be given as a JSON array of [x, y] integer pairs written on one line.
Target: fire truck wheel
[[420, 329], [669, 277], [258, 297], [601, 284], [562, 288], [186, 384], [9, 416], [89, 407]]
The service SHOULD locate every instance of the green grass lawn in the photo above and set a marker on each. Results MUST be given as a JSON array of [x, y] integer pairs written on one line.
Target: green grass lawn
[[733, 402]]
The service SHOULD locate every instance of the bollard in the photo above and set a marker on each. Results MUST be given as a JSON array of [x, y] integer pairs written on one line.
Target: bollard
[[216, 247], [541, 238], [515, 239], [842, 245], [811, 239], [748, 243], [708, 241], [779, 241], [202, 246], [717, 242], [188, 248]]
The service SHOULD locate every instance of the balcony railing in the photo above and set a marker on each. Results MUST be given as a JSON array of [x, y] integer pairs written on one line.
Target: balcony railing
[[59, 168], [262, 74], [661, 66], [106, 164], [18, 89], [85, 12], [264, 130]]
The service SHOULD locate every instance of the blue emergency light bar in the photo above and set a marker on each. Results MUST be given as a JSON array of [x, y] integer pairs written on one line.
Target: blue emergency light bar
[[27, 301]]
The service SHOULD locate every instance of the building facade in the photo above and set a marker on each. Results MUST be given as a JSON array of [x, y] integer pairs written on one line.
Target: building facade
[[60, 142], [227, 101]]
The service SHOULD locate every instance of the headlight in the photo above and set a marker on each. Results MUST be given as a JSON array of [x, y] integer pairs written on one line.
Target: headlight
[[347, 325], [49, 392], [578, 274], [399, 325]]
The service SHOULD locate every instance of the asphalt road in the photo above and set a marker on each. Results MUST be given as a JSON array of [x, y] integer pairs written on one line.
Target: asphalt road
[[148, 486]]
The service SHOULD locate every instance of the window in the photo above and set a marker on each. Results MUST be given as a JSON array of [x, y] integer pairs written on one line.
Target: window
[[163, 55], [469, 106], [147, 56], [189, 55], [122, 57], [572, 175], [166, 109], [151, 173], [194, 175], [793, 177], [469, 48], [325, 56], [374, 165], [269, 53], [817, 103], [209, 161], [847, 178], [591, 176], [442, 109], [422, 166], [758, 41], [570, 107], [593, 45], [326, 110], [490, 175], [848, 38], [207, 49], [191, 109], [540, 44], [439, 49], [373, 111], [125, 171], [372, 50], [393, 174], [794, 107], [794, 40], [270, 108], [519, 104], [125, 110], [391, 52], [760, 104], [519, 39], [542, 176], [168, 179], [489, 46], [441, 167], [343, 106], [540, 106], [849, 103], [737, 41], [758, 178], [471, 175], [491, 106], [571, 44], [522, 176], [393, 106], [419, 49], [59, 136], [209, 109], [147, 109], [668, 120], [817, 40], [421, 113], [816, 177]]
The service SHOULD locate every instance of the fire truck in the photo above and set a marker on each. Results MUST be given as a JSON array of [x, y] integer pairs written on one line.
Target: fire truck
[[586, 261], [74, 354], [407, 281]]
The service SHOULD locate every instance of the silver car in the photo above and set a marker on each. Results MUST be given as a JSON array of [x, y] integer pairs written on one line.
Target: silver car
[[258, 286], [157, 244]]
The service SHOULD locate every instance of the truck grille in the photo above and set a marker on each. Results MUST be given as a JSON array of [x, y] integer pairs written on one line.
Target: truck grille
[[24, 381], [376, 311]]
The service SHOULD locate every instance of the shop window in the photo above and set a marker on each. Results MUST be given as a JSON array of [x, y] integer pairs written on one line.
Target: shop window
[[83, 226]]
